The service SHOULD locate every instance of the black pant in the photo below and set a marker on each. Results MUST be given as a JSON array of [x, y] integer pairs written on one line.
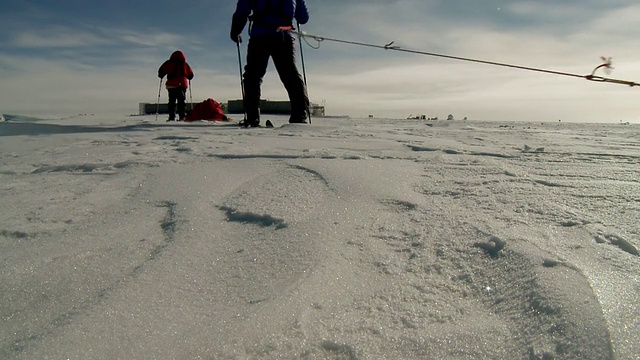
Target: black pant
[[176, 95], [280, 47]]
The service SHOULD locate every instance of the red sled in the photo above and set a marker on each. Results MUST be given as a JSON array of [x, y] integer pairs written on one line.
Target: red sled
[[209, 110]]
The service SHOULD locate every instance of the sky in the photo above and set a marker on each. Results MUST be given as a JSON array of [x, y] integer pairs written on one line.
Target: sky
[[68, 57]]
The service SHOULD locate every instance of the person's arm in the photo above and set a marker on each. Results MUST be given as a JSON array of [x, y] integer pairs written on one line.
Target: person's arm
[[239, 19], [161, 71], [302, 13], [189, 73]]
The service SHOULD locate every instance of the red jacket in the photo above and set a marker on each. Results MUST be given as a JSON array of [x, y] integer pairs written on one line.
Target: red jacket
[[177, 70]]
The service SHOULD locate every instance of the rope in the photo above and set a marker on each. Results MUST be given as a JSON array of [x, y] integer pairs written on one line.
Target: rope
[[390, 46]]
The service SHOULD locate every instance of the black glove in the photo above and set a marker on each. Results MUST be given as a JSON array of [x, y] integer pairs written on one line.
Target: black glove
[[237, 25], [236, 38]]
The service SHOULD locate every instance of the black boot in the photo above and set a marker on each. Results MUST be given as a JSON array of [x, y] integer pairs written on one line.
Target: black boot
[[247, 123], [300, 119]]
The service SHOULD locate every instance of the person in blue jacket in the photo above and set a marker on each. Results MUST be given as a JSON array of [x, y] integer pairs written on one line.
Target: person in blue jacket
[[270, 21]]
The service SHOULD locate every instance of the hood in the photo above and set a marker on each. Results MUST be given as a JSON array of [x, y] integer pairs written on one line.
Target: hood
[[178, 56]]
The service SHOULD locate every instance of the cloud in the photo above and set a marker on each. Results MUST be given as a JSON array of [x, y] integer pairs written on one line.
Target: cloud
[[58, 87], [152, 38], [57, 37]]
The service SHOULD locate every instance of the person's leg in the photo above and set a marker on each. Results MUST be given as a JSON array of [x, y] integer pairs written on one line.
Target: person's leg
[[258, 52], [181, 97], [285, 62], [172, 103]]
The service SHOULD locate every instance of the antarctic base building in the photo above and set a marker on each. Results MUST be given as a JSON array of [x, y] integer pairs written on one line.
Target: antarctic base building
[[237, 107], [272, 107]]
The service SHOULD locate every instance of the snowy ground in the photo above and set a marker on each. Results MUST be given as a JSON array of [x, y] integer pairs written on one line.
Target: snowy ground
[[126, 238]]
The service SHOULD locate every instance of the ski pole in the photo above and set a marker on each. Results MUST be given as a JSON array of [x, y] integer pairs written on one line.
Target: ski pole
[[158, 102], [244, 109], [304, 72], [190, 96]]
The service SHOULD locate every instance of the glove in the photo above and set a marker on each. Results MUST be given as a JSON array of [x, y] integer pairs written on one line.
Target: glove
[[237, 25], [236, 38]]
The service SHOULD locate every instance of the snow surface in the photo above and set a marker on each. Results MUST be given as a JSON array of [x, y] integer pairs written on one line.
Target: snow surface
[[126, 238]]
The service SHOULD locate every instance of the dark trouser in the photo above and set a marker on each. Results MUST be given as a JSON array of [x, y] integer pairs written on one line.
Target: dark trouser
[[280, 47], [176, 95]]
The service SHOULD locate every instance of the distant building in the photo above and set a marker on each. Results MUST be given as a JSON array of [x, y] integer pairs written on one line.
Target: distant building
[[162, 108], [237, 107], [272, 107]]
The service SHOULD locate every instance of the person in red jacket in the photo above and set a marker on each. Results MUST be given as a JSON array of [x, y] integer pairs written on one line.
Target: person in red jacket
[[178, 74]]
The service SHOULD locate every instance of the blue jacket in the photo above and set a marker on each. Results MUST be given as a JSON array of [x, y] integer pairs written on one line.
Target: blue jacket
[[268, 15]]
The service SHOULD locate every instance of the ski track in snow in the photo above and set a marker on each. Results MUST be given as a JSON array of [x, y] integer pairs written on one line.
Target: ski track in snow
[[349, 239]]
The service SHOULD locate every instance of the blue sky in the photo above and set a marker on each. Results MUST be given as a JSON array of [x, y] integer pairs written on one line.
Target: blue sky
[[67, 57]]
